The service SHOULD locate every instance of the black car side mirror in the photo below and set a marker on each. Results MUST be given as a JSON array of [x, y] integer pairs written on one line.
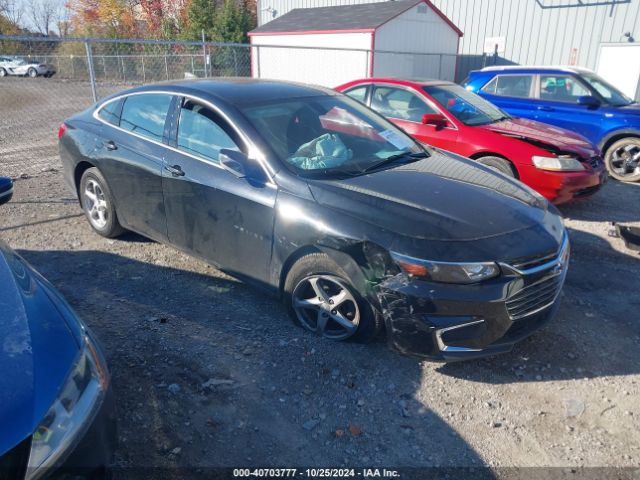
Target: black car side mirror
[[234, 162], [240, 165], [6, 190], [588, 101]]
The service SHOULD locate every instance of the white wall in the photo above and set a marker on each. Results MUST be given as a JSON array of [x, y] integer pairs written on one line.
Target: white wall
[[612, 57], [421, 30], [322, 66]]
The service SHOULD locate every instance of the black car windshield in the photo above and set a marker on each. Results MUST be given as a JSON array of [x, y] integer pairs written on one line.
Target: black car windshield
[[466, 106], [328, 135], [610, 93]]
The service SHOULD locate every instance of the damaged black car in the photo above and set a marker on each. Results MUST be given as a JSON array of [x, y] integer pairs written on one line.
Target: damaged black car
[[311, 195]]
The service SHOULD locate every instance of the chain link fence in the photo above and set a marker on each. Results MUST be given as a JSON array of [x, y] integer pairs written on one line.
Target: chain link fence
[[45, 80]]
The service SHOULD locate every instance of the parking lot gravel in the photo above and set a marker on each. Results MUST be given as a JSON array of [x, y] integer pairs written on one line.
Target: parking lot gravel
[[209, 372]]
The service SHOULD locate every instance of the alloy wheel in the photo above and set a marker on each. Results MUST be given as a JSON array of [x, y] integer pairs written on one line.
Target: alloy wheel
[[3, 72], [625, 160], [326, 306], [96, 204]]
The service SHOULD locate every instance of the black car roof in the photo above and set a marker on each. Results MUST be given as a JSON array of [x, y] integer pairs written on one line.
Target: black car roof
[[238, 91]]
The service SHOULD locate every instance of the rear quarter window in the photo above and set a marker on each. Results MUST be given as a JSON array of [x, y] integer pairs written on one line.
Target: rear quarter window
[[110, 112], [146, 114]]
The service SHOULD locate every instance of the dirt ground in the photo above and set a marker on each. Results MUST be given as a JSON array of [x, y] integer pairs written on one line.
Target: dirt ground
[[209, 372]]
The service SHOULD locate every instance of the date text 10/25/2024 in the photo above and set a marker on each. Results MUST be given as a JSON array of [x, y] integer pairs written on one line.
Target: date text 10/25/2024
[[316, 473]]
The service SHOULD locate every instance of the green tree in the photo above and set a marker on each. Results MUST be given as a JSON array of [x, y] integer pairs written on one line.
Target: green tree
[[233, 22], [201, 16]]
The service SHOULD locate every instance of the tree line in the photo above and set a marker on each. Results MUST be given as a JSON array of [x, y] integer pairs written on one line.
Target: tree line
[[219, 20]]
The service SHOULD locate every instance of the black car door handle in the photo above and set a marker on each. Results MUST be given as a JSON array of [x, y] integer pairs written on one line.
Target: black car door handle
[[110, 145], [544, 108], [175, 170]]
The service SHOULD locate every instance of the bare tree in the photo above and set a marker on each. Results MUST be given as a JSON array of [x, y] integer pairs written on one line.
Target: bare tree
[[13, 10], [43, 14]]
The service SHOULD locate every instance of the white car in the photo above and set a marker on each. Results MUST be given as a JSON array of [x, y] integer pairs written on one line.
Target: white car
[[23, 67]]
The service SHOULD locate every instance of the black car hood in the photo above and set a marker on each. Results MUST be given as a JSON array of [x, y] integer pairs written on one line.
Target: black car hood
[[443, 198], [37, 349]]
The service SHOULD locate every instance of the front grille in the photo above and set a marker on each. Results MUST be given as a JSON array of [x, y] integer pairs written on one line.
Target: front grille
[[13, 464], [532, 262], [535, 297]]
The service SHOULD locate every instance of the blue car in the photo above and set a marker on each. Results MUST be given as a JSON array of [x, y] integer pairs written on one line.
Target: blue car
[[573, 98], [56, 407]]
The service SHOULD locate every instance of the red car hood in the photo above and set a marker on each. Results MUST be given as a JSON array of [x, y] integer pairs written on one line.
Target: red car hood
[[554, 138]]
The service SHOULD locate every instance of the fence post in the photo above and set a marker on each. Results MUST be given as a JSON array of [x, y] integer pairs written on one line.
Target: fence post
[[92, 77], [204, 55], [166, 66], [144, 76]]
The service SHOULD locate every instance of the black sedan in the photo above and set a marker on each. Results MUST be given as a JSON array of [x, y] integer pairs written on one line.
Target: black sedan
[[56, 406], [316, 198]]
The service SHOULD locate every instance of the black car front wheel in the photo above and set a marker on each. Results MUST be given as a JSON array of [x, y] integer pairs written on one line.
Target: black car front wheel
[[97, 203], [321, 299], [622, 159]]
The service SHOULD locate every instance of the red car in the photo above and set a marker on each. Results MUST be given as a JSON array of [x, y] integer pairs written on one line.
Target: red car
[[559, 164]]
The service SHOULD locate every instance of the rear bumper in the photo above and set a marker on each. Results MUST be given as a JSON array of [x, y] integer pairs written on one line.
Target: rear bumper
[[461, 322]]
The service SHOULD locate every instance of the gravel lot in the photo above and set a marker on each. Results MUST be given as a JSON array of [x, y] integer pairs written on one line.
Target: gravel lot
[[209, 372]]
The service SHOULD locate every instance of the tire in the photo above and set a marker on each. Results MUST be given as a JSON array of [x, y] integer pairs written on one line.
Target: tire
[[97, 202], [622, 159], [32, 72], [318, 268], [3, 72], [498, 163]]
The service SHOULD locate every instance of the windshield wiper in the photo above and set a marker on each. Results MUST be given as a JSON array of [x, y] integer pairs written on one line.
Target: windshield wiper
[[393, 158]]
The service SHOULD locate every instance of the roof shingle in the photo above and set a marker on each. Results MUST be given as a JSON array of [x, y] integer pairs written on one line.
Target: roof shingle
[[367, 16]]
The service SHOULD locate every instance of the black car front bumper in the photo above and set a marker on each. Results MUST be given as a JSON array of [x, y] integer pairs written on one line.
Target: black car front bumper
[[461, 322]]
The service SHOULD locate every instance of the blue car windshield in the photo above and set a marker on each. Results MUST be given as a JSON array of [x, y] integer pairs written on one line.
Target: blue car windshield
[[610, 93], [466, 106], [327, 135]]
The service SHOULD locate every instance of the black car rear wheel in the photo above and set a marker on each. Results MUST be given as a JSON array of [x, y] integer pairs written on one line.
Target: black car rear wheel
[[321, 299], [97, 203], [622, 159]]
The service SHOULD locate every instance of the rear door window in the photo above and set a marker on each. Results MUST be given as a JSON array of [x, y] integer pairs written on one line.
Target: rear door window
[[399, 103], [510, 86], [146, 114], [201, 132]]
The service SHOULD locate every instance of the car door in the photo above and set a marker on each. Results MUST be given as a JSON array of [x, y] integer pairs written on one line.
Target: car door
[[131, 159], [513, 93], [211, 212], [558, 104], [406, 108]]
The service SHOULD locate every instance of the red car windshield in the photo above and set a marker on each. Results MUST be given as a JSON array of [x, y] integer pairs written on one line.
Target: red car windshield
[[466, 106]]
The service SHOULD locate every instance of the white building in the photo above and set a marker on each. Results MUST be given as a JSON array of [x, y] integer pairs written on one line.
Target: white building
[[332, 45]]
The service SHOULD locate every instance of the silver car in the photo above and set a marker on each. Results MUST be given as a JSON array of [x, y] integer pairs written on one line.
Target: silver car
[[23, 67]]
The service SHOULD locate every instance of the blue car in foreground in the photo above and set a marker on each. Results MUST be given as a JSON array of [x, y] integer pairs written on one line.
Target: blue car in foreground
[[56, 407], [573, 98]]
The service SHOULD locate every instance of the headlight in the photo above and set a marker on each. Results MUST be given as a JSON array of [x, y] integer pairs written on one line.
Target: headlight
[[447, 272], [72, 412], [562, 163]]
